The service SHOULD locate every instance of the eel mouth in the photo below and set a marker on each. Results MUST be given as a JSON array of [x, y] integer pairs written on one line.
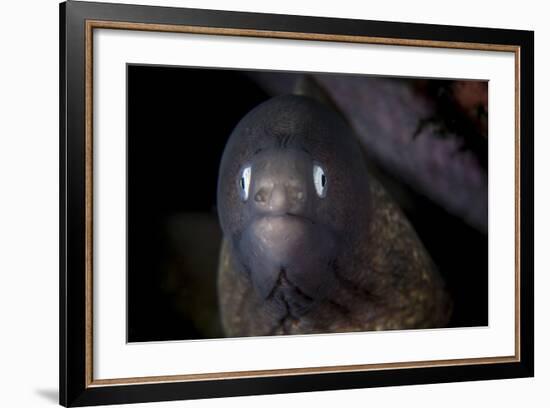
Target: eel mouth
[[287, 257], [287, 296]]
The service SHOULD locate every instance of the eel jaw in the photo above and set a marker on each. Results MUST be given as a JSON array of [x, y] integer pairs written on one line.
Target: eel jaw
[[288, 257]]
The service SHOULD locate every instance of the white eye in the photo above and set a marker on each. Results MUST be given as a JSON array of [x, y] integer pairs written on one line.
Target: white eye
[[244, 182], [320, 181]]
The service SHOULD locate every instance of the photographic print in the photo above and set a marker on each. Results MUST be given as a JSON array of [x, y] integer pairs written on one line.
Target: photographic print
[[258, 204], [280, 203]]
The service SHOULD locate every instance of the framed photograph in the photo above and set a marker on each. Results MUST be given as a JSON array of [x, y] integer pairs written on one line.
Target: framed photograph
[[255, 203]]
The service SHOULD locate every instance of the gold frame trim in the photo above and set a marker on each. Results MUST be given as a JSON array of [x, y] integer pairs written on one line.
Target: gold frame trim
[[96, 24]]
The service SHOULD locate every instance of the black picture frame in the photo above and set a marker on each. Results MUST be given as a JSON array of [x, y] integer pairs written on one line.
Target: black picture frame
[[76, 385]]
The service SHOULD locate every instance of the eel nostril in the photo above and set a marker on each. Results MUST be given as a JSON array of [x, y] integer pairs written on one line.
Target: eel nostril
[[296, 194], [260, 197], [279, 197]]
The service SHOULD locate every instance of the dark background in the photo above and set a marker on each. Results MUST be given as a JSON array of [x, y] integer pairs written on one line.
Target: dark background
[[178, 122]]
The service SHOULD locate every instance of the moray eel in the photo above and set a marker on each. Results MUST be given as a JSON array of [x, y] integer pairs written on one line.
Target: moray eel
[[312, 242]]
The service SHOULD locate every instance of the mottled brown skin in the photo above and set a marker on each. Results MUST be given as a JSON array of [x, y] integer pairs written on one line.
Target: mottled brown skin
[[378, 277], [397, 286]]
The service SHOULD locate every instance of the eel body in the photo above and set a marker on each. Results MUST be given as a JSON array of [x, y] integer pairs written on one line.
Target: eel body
[[312, 242]]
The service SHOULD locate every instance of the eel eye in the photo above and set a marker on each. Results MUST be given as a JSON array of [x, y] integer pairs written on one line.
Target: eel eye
[[319, 180], [244, 182]]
